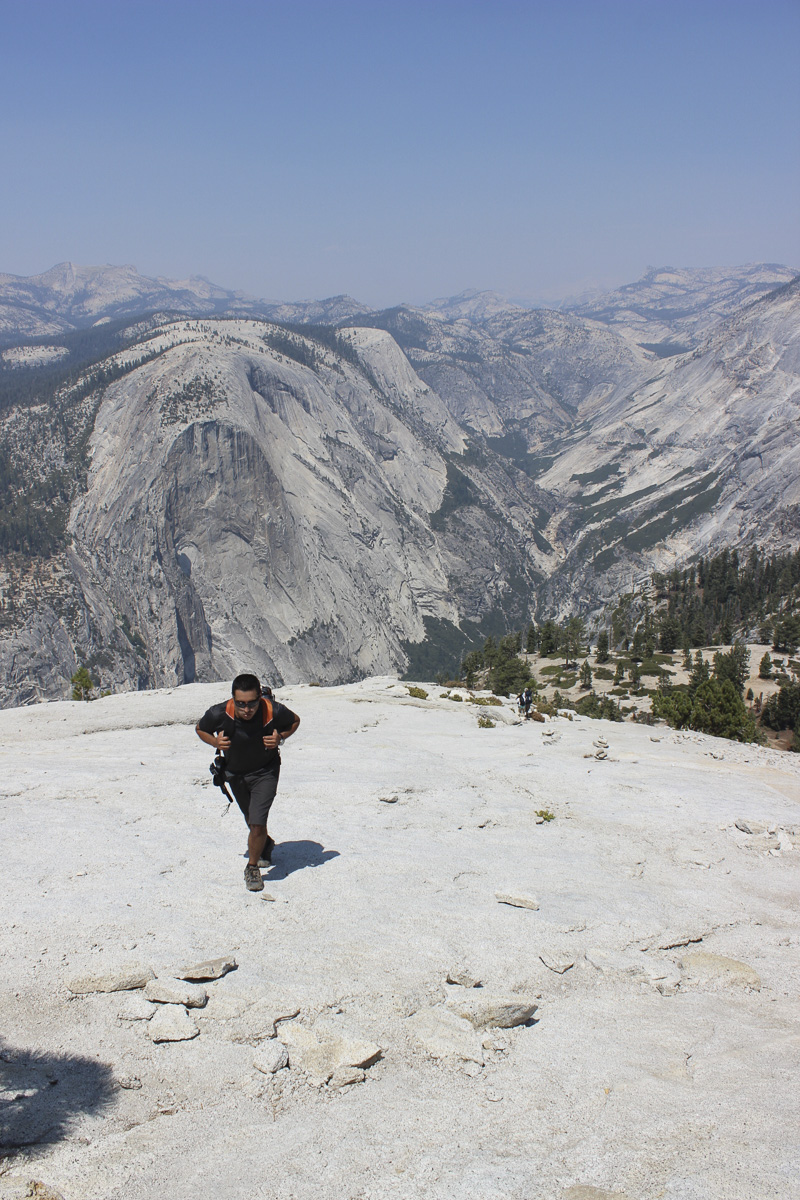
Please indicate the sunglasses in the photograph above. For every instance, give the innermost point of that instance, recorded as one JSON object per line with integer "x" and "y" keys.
{"x": 247, "y": 703}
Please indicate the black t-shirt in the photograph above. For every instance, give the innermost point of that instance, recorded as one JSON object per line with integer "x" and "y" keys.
{"x": 247, "y": 751}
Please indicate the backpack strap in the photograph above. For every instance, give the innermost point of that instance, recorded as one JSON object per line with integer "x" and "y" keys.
{"x": 266, "y": 710}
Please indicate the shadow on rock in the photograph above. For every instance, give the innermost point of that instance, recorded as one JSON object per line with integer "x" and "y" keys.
{"x": 43, "y": 1095}
{"x": 294, "y": 856}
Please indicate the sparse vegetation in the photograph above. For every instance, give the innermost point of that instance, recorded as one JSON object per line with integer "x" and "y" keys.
{"x": 418, "y": 693}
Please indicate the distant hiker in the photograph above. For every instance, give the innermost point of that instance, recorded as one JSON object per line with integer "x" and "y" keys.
{"x": 246, "y": 732}
{"x": 521, "y": 704}
{"x": 527, "y": 700}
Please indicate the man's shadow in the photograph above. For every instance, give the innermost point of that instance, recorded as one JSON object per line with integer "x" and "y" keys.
{"x": 288, "y": 857}
{"x": 44, "y": 1095}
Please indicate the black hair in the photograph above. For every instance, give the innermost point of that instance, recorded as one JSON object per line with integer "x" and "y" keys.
{"x": 246, "y": 683}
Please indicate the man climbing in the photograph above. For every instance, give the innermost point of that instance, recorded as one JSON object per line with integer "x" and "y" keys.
{"x": 247, "y": 731}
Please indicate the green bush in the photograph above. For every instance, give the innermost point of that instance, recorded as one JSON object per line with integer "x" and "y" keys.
{"x": 418, "y": 693}
{"x": 491, "y": 701}
{"x": 485, "y": 721}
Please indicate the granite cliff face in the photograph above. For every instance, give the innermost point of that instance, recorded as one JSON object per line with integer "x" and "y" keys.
{"x": 245, "y": 505}
{"x": 205, "y": 495}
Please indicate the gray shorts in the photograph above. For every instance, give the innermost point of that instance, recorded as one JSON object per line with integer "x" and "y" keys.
{"x": 254, "y": 794}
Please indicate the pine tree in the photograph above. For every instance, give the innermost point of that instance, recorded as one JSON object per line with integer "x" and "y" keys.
{"x": 700, "y": 673}
{"x": 765, "y": 667}
{"x": 602, "y": 647}
{"x": 586, "y": 674}
{"x": 82, "y": 684}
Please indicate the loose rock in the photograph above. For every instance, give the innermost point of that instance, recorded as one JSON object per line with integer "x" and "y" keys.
{"x": 175, "y": 991}
{"x": 517, "y": 899}
{"x": 345, "y": 1076}
{"x": 16, "y": 1187}
{"x": 211, "y": 968}
{"x": 388, "y": 799}
{"x": 321, "y": 1050}
{"x": 445, "y": 1035}
{"x": 136, "y": 1008}
{"x": 270, "y": 1057}
{"x": 261, "y": 1019}
{"x": 717, "y": 971}
{"x": 747, "y": 826}
{"x": 118, "y": 979}
{"x": 463, "y": 977}
{"x": 172, "y": 1023}
{"x": 484, "y": 1010}
{"x": 558, "y": 965}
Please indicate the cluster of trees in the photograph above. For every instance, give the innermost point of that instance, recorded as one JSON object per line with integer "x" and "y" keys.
{"x": 712, "y": 701}
{"x": 507, "y": 673}
{"x": 711, "y": 600}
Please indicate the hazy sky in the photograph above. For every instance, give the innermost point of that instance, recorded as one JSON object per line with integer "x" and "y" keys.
{"x": 399, "y": 150}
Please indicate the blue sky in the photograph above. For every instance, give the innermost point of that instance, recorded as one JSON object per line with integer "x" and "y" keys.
{"x": 399, "y": 151}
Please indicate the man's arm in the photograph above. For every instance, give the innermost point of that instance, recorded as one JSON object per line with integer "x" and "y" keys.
{"x": 219, "y": 740}
{"x": 273, "y": 740}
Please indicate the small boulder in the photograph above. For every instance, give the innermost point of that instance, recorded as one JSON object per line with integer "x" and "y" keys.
{"x": 175, "y": 991}
{"x": 116, "y": 979}
{"x": 270, "y": 1057}
{"x": 171, "y": 1023}
{"x": 210, "y": 968}
{"x": 517, "y": 899}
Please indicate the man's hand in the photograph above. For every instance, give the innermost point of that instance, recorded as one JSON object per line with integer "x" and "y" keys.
{"x": 222, "y": 741}
{"x": 272, "y": 741}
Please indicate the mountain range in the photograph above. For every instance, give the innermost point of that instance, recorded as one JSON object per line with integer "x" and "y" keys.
{"x": 195, "y": 481}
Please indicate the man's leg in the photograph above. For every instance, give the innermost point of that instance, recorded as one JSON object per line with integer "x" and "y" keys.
{"x": 256, "y": 843}
{"x": 263, "y": 787}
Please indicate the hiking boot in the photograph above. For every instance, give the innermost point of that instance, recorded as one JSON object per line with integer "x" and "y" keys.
{"x": 265, "y": 858}
{"x": 252, "y": 879}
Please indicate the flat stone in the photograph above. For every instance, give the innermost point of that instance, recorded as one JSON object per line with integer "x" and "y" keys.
{"x": 116, "y": 979}
{"x": 270, "y": 1057}
{"x": 176, "y": 991}
{"x": 136, "y": 1008}
{"x": 326, "y": 1047}
{"x": 171, "y": 1023}
{"x": 261, "y": 1020}
{"x": 517, "y": 899}
{"x": 716, "y": 970}
{"x": 558, "y": 965}
{"x": 747, "y": 826}
{"x": 485, "y": 1010}
{"x": 211, "y": 968}
{"x": 345, "y": 1076}
{"x": 445, "y": 1035}
{"x": 661, "y": 973}
{"x": 388, "y": 799}
{"x": 463, "y": 977}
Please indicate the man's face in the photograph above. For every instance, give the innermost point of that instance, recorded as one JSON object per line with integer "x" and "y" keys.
{"x": 246, "y": 704}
